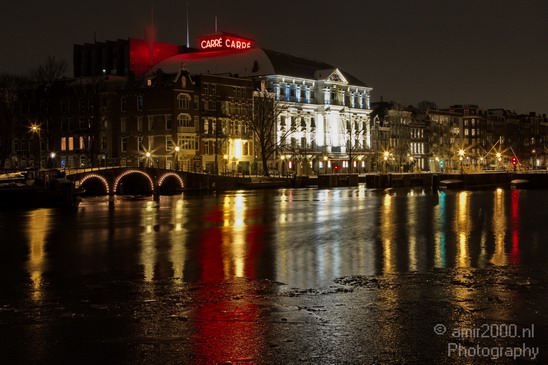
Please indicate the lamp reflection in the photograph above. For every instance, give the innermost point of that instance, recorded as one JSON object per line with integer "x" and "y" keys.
{"x": 462, "y": 228}
{"x": 387, "y": 232}
{"x": 499, "y": 228}
{"x": 38, "y": 227}
{"x": 148, "y": 240}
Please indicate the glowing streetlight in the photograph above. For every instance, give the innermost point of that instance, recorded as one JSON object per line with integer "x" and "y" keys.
{"x": 177, "y": 149}
{"x": 225, "y": 158}
{"x": 35, "y": 128}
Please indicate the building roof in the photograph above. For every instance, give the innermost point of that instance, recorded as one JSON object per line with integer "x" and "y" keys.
{"x": 252, "y": 63}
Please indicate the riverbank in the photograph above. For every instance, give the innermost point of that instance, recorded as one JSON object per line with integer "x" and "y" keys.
{"x": 389, "y": 319}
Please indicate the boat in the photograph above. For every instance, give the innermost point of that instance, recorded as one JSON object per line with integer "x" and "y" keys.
{"x": 519, "y": 184}
{"x": 451, "y": 184}
{"x": 38, "y": 189}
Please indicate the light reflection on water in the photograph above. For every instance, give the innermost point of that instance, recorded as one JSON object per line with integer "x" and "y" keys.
{"x": 302, "y": 237}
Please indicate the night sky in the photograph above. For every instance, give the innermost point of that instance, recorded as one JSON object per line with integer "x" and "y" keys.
{"x": 488, "y": 52}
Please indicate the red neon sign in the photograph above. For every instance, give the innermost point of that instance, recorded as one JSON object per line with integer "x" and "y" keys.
{"x": 223, "y": 41}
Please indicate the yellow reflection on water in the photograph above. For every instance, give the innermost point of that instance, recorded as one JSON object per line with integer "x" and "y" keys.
{"x": 37, "y": 229}
{"x": 412, "y": 249}
{"x": 387, "y": 233}
{"x": 148, "y": 249}
{"x": 463, "y": 227}
{"x": 234, "y": 235}
{"x": 178, "y": 250}
{"x": 499, "y": 228}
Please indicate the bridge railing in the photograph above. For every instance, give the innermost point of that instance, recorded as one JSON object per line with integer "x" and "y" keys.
{"x": 90, "y": 169}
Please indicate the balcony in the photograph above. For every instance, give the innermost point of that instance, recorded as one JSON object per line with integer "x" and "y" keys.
{"x": 186, "y": 129}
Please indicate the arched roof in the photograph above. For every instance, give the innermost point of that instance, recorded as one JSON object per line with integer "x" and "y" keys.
{"x": 250, "y": 63}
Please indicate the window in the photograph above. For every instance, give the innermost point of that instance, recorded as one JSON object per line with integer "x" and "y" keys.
{"x": 139, "y": 124}
{"x": 196, "y": 102}
{"x": 206, "y": 126}
{"x": 81, "y": 143}
{"x": 183, "y": 101}
{"x": 123, "y": 124}
{"x": 184, "y": 120}
{"x": 123, "y": 146}
{"x": 123, "y": 103}
{"x": 139, "y": 102}
{"x": 169, "y": 144}
{"x": 187, "y": 143}
{"x": 213, "y": 89}
{"x": 71, "y": 143}
{"x": 150, "y": 143}
{"x": 104, "y": 143}
{"x": 205, "y": 89}
{"x": 196, "y": 120}
{"x": 140, "y": 145}
{"x": 150, "y": 121}
{"x": 168, "y": 122}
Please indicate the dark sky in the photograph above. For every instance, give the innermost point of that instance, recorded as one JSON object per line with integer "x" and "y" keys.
{"x": 488, "y": 52}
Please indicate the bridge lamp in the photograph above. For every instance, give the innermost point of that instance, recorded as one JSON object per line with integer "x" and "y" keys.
{"x": 177, "y": 149}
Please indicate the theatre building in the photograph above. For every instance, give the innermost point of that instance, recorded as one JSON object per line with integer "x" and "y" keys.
{"x": 324, "y": 116}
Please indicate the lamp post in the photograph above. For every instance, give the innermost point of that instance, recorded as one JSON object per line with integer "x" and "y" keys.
{"x": 148, "y": 159}
{"x": 177, "y": 149}
{"x": 35, "y": 128}
{"x": 385, "y": 156}
{"x": 52, "y": 158}
{"x": 225, "y": 158}
{"x": 461, "y": 157}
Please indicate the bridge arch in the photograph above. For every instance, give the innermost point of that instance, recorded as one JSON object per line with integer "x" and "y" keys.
{"x": 128, "y": 172}
{"x": 168, "y": 174}
{"x": 95, "y": 176}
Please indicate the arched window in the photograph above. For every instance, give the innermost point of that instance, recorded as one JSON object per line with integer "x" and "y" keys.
{"x": 183, "y": 101}
{"x": 184, "y": 120}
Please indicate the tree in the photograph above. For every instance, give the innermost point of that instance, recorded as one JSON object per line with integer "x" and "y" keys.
{"x": 52, "y": 69}
{"x": 354, "y": 132}
{"x": 10, "y": 87}
{"x": 263, "y": 123}
{"x": 424, "y": 105}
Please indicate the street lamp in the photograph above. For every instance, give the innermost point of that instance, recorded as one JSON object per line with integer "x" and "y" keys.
{"x": 499, "y": 157}
{"x": 149, "y": 161}
{"x": 461, "y": 157}
{"x": 385, "y": 156}
{"x": 35, "y": 128}
{"x": 225, "y": 158}
{"x": 177, "y": 149}
{"x": 52, "y": 158}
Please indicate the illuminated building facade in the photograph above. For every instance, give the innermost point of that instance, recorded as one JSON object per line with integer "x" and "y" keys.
{"x": 325, "y": 112}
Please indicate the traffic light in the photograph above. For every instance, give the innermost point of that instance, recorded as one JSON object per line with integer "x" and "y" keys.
{"x": 442, "y": 164}
{"x": 514, "y": 161}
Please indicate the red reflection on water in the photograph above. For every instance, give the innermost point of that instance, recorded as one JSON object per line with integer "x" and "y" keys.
{"x": 226, "y": 322}
{"x": 514, "y": 254}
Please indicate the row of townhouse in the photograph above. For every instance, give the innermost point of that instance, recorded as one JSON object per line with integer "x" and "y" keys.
{"x": 193, "y": 110}
{"x": 461, "y": 135}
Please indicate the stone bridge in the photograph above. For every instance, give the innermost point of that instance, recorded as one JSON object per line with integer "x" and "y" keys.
{"x": 114, "y": 180}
